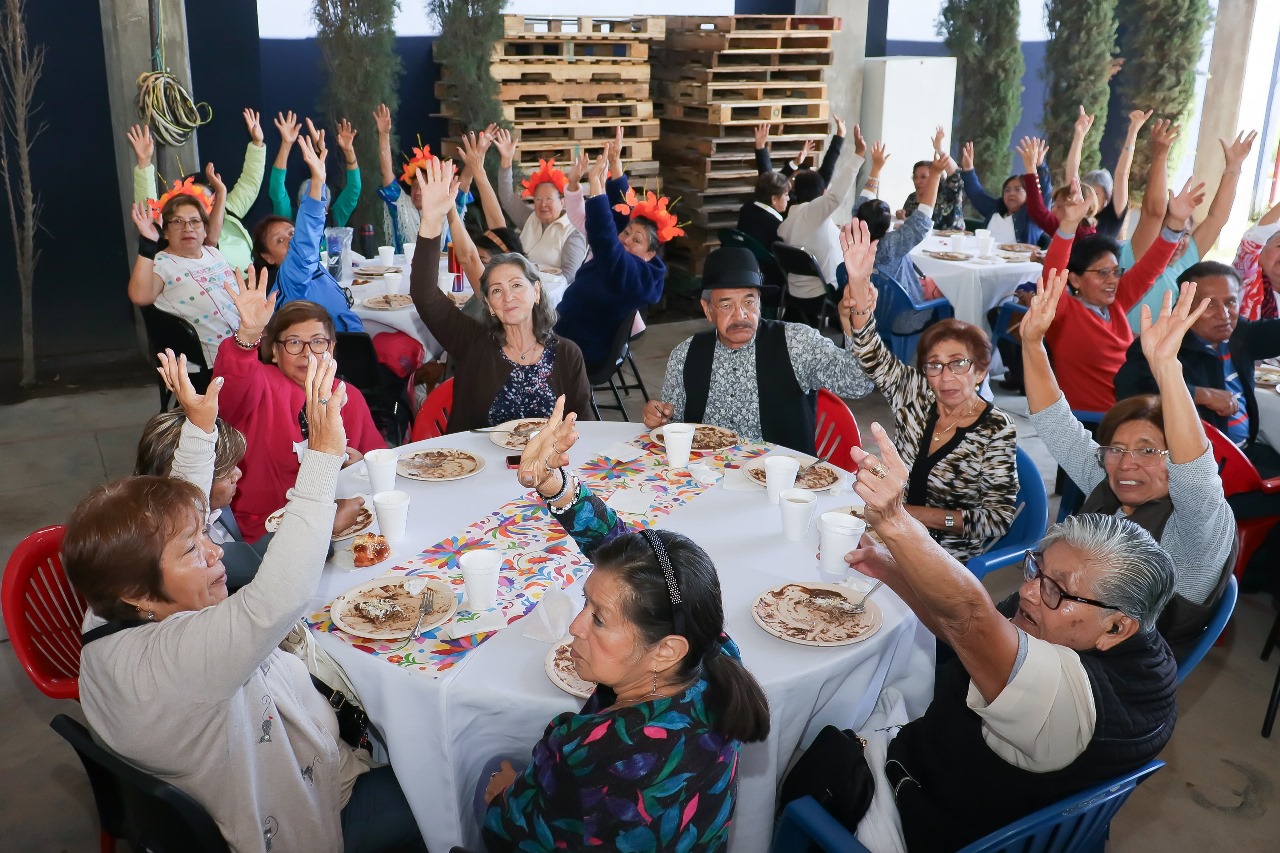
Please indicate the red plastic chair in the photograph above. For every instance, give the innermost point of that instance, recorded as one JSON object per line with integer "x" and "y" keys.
{"x": 43, "y": 613}
{"x": 433, "y": 417}
{"x": 837, "y": 430}
{"x": 1239, "y": 476}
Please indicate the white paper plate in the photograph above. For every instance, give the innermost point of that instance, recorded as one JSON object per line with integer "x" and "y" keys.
{"x": 658, "y": 437}
{"x": 388, "y": 302}
{"x": 459, "y": 465}
{"x": 503, "y": 437}
{"x": 272, "y": 524}
{"x": 347, "y": 620}
{"x": 564, "y": 676}
{"x": 869, "y": 622}
{"x": 754, "y": 473}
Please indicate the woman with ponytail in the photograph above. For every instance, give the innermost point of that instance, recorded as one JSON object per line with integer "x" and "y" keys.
{"x": 650, "y": 761}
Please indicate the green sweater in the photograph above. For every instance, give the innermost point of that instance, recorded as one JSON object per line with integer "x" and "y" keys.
{"x": 343, "y": 206}
{"x": 234, "y": 243}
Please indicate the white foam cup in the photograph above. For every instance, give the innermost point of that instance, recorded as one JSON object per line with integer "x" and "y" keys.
{"x": 957, "y": 242}
{"x": 392, "y": 510}
{"x": 395, "y": 282}
{"x": 797, "y": 512}
{"x": 387, "y": 255}
{"x": 779, "y": 475}
{"x": 480, "y": 570}
{"x": 838, "y": 534}
{"x": 381, "y": 465}
{"x": 408, "y": 254}
{"x": 679, "y": 441}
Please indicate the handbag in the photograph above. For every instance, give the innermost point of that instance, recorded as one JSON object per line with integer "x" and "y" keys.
{"x": 331, "y": 682}
{"x": 834, "y": 771}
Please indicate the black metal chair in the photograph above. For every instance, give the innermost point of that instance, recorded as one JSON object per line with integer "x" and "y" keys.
{"x": 604, "y": 374}
{"x": 386, "y": 393}
{"x": 150, "y": 814}
{"x": 166, "y": 331}
{"x": 796, "y": 260}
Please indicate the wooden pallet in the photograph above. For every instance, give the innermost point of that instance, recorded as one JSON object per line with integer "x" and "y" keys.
{"x": 750, "y": 43}
{"x": 736, "y": 147}
{"x": 746, "y": 63}
{"x": 714, "y": 133}
{"x": 633, "y": 150}
{"x": 672, "y": 151}
{"x": 611, "y": 110}
{"x": 538, "y": 26}
{"x": 559, "y": 93}
{"x": 571, "y": 49}
{"x": 754, "y": 23}
{"x": 542, "y": 133}
{"x": 694, "y": 70}
{"x": 752, "y": 113}
{"x": 565, "y": 72}
{"x": 730, "y": 91}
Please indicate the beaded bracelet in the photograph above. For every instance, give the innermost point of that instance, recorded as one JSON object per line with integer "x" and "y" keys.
{"x": 571, "y": 483}
{"x": 243, "y": 345}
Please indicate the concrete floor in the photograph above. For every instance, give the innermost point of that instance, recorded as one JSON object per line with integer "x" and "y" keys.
{"x": 1218, "y": 791}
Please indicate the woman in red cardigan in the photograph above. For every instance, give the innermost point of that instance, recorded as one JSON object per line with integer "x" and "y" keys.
{"x": 264, "y": 398}
{"x": 1091, "y": 332}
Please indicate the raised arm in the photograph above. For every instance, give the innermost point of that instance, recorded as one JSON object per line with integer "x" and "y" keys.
{"x": 1120, "y": 186}
{"x": 345, "y": 204}
{"x": 464, "y": 249}
{"x": 879, "y": 156}
{"x": 145, "y": 286}
{"x": 978, "y": 197}
{"x": 382, "y": 121}
{"x": 1135, "y": 283}
{"x": 218, "y": 214}
{"x": 1041, "y": 385}
{"x": 237, "y": 358}
{"x": 1235, "y": 154}
{"x": 1161, "y": 340}
{"x": 193, "y": 460}
{"x": 474, "y": 148}
{"x": 1037, "y": 210}
{"x": 763, "y": 162}
{"x": 836, "y": 145}
{"x": 1163, "y": 135}
{"x": 512, "y": 204}
{"x": 574, "y": 202}
{"x": 144, "y": 174}
{"x": 1071, "y": 168}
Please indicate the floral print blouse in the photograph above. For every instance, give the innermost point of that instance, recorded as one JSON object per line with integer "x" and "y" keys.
{"x": 527, "y": 392}
{"x": 651, "y": 777}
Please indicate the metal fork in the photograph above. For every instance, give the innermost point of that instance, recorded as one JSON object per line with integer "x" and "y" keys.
{"x": 425, "y": 606}
{"x": 824, "y": 458}
{"x": 862, "y": 605}
{"x": 519, "y": 432}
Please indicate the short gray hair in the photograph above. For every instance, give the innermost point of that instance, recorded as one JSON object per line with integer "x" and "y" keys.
{"x": 544, "y": 316}
{"x": 1135, "y": 574}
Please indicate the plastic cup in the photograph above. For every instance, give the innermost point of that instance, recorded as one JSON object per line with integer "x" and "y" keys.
{"x": 387, "y": 255}
{"x": 957, "y": 242}
{"x": 381, "y": 465}
{"x": 679, "y": 441}
{"x": 797, "y": 513}
{"x": 986, "y": 245}
{"x": 780, "y": 475}
{"x": 408, "y": 253}
{"x": 480, "y": 570}
{"x": 838, "y": 534}
{"x": 395, "y": 282}
{"x": 392, "y": 510}
{"x": 982, "y": 232}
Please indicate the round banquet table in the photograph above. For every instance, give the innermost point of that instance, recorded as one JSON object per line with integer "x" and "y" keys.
{"x": 973, "y": 288}
{"x": 441, "y": 728}
{"x": 406, "y": 319}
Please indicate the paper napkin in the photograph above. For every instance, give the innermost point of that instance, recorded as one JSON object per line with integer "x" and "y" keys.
{"x": 463, "y": 625}
{"x": 704, "y": 473}
{"x": 550, "y": 620}
{"x": 622, "y": 452}
{"x": 631, "y": 501}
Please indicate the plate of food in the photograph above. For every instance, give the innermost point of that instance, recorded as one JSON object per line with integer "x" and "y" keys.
{"x": 707, "y": 438}
{"x": 376, "y": 270}
{"x": 550, "y": 270}
{"x": 1017, "y": 248}
{"x": 439, "y": 464}
{"x": 563, "y": 673}
{"x": 950, "y": 256}
{"x": 1266, "y": 374}
{"x": 356, "y": 282}
{"x": 952, "y": 232}
{"x": 388, "y": 302}
{"x": 388, "y": 608}
{"x": 364, "y": 520}
{"x": 514, "y": 435}
{"x": 816, "y": 614}
{"x": 817, "y": 478}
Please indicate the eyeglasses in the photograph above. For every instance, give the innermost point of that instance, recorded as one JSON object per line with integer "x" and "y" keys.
{"x": 183, "y": 224}
{"x": 1109, "y": 272}
{"x": 1147, "y": 457}
{"x": 748, "y": 304}
{"x": 959, "y": 367}
{"x": 1051, "y": 594}
{"x": 294, "y": 346}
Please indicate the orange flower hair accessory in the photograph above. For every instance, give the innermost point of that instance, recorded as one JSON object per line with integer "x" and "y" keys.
{"x": 187, "y": 187}
{"x": 547, "y": 174}
{"x": 421, "y": 157}
{"x": 654, "y": 209}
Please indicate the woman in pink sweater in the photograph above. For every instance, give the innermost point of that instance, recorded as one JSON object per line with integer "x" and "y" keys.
{"x": 265, "y": 398}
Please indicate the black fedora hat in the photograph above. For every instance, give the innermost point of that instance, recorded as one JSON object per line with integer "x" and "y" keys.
{"x": 731, "y": 267}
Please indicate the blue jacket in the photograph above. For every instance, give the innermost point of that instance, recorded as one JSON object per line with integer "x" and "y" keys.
{"x": 611, "y": 286}
{"x": 302, "y": 276}
{"x": 1025, "y": 230}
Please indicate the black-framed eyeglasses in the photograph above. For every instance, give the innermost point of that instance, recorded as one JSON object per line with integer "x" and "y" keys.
{"x": 294, "y": 346}
{"x": 959, "y": 367}
{"x": 1050, "y": 593}
{"x": 1146, "y": 457}
{"x": 1109, "y": 272}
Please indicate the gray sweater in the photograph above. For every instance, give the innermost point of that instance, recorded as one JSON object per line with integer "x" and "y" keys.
{"x": 208, "y": 702}
{"x": 1201, "y": 530}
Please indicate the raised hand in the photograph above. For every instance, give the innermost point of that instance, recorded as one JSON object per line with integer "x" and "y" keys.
{"x": 840, "y": 127}
{"x": 254, "y": 305}
{"x": 1137, "y": 118}
{"x": 1084, "y": 122}
{"x": 1237, "y": 151}
{"x": 382, "y": 120}
{"x": 578, "y": 170}
{"x": 806, "y": 151}
{"x": 615, "y": 153}
{"x": 486, "y": 138}
{"x": 317, "y": 136}
{"x": 313, "y": 156}
{"x": 472, "y": 153}
{"x": 140, "y": 213}
{"x": 549, "y": 449}
{"x": 859, "y": 144}
{"x": 215, "y": 180}
{"x": 860, "y": 295}
{"x": 144, "y": 147}
{"x": 762, "y": 135}
{"x": 966, "y": 157}
{"x": 1042, "y": 151}
{"x": 1163, "y": 134}
{"x": 595, "y": 175}
{"x": 438, "y": 188}
{"x": 1044, "y": 305}
{"x": 506, "y": 145}
{"x": 1027, "y": 150}
{"x": 253, "y": 123}
{"x": 940, "y": 163}
{"x": 879, "y": 156}
{"x": 882, "y": 482}
{"x": 200, "y": 409}
{"x": 326, "y": 432}
{"x": 1162, "y": 338}
{"x": 938, "y": 136}
{"x": 1182, "y": 205}
{"x": 1076, "y": 207}
{"x": 346, "y": 138}
{"x": 289, "y": 127}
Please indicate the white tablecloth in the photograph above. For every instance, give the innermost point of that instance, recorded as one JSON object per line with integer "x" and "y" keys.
{"x": 972, "y": 288}
{"x": 407, "y": 320}
{"x": 1268, "y": 414}
{"x": 441, "y": 730}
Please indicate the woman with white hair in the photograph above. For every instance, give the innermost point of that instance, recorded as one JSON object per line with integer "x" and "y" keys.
{"x": 1061, "y": 687}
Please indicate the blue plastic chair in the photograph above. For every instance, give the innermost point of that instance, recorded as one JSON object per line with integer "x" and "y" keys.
{"x": 1028, "y": 527}
{"x": 1072, "y": 498}
{"x": 1226, "y": 606}
{"x": 894, "y": 301}
{"x": 1074, "y": 825}
{"x": 1004, "y": 318}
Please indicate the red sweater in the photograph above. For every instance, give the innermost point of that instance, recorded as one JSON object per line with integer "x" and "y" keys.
{"x": 1087, "y": 350}
{"x": 263, "y": 403}
{"x": 1043, "y": 216}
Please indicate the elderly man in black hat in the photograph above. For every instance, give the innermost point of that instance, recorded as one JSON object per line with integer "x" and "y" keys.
{"x": 756, "y": 377}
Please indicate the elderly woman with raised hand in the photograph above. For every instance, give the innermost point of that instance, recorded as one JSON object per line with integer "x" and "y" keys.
{"x": 191, "y": 686}
{"x": 265, "y": 363}
{"x": 290, "y": 252}
{"x": 1151, "y": 461}
{"x": 1112, "y": 193}
{"x": 959, "y": 448}
{"x": 1007, "y": 217}
{"x": 1091, "y": 331}
{"x": 652, "y": 637}
{"x": 510, "y": 364}
{"x": 549, "y": 239}
{"x": 948, "y": 208}
{"x": 1061, "y": 687}
{"x": 186, "y": 278}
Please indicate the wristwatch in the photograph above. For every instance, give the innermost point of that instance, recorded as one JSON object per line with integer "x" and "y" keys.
{"x": 949, "y": 521}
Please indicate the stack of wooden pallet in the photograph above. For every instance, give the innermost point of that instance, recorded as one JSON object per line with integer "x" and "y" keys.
{"x": 567, "y": 83}
{"x": 714, "y": 80}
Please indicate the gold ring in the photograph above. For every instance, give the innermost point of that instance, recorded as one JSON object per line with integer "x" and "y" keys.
{"x": 880, "y": 471}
